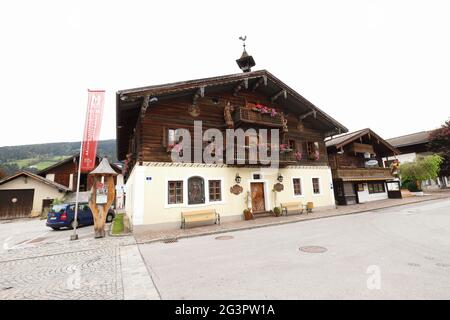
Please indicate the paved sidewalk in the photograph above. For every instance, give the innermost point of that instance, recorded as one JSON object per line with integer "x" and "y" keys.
{"x": 143, "y": 235}
{"x": 56, "y": 268}
{"x": 137, "y": 284}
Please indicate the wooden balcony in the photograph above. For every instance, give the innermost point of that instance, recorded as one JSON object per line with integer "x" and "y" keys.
{"x": 249, "y": 116}
{"x": 359, "y": 174}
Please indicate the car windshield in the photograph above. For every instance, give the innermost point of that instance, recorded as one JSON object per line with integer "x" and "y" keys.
{"x": 58, "y": 207}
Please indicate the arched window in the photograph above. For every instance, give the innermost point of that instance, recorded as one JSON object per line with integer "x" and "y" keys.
{"x": 196, "y": 190}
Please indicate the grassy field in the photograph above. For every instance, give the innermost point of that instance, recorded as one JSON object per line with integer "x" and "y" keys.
{"x": 38, "y": 163}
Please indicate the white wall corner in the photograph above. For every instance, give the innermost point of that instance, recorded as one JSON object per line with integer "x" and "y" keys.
{"x": 139, "y": 195}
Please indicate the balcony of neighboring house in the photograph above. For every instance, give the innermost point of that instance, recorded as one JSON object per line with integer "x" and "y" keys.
{"x": 354, "y": 174}
{"x": 259, "y": 115}
{"x": 353, "y": 167}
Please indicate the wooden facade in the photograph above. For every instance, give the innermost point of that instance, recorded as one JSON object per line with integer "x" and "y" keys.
{"x": 142, "y": 135}
{"x": 356, "y": 162}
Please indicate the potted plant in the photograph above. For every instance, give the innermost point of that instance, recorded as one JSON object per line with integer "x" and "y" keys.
{"x": 248, "y": 215}
{"x": 277, "y": 211}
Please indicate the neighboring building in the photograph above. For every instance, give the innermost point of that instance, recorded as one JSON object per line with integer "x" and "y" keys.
{"x": 356, "y": 164}
{"x": 65, "y": 173}
{"x": 25, "y": 194}
{"x": 411, "y": 146}
{"x": 157, "y": 190}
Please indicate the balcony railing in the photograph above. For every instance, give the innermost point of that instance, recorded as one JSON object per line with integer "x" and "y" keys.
{"x": 248, "y": 115}
{"x": 362, "y": 173}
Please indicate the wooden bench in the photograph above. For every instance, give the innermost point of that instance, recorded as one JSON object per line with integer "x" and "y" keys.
{"x": 287, "y": 206}
{"x": 199, "y": 216}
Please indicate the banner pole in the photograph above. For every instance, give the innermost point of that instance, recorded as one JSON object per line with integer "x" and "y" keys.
{"x": 74, "y": 236}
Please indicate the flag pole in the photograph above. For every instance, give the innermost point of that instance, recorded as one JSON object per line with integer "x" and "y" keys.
{"x": 74, "y": 236}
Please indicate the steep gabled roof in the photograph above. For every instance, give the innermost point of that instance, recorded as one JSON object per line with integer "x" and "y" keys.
{"x": 410, "y": 139}
{"x": 128, "y": 102}
{"x": 38, "y": 178}
{"x": 343, "y": 140}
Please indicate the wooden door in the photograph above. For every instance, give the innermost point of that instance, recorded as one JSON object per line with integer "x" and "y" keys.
{"x": 16, "y": 203}
{"x": 257, "y": 194}
{"x": 46, "y": 205}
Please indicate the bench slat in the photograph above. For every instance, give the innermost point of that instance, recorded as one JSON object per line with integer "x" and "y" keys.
{"x": 200, "y": 218}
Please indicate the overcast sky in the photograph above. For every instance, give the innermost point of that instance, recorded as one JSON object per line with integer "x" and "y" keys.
{"x": 378, "y": 64}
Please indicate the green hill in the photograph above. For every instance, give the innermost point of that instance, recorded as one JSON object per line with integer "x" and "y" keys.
{"x": 35, "y": 157}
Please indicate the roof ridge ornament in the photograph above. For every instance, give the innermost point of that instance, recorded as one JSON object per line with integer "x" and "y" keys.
{"x": 245, "y": 62}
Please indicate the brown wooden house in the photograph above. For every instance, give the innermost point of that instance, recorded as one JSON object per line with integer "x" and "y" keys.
{"x": 356, "y": 162}
{"x": 65, "y": 173}
{"x": 158, "y": 189}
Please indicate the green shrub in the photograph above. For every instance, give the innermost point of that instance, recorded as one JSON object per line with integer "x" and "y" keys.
{"x": 277, "y": 211}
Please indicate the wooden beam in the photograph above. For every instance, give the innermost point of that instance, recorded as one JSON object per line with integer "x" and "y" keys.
{"x": 145, "y": 105}
{"x": 282, "y": 92}
{"x": 306, "y": 115}
{"x": 262, "y": 80}
{"x": 199, "y": 93}
{"x": 243, "y": 84}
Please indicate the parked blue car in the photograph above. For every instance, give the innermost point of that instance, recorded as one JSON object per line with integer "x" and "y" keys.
{"x": 62, "y": 215}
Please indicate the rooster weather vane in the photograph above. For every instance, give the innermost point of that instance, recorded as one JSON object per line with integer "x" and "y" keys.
{"x": 243, "y": 40}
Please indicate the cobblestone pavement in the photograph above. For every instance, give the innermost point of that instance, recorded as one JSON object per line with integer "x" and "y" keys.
{"x": 84, "y": 269}
{"x": 145, "y": 235}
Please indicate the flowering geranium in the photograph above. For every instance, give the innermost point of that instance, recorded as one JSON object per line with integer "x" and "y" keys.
{"x": 266, "y": 110}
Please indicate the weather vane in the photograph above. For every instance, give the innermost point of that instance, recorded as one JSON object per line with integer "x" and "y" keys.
{"x": 243, "y": 40}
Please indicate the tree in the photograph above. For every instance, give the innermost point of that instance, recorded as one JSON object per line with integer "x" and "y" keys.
{"x": 440, "y": 144}
{"x": 423, "y": 168}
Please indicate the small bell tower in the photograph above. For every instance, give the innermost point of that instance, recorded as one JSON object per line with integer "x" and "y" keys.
{"x": 245, "y": 62}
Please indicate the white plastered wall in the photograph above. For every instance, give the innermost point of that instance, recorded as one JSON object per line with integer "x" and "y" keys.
{"x": 146, "y": 198}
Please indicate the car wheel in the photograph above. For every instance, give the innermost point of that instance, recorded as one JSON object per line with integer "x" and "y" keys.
{"x": 73, "y": 224}
{"x": 55, "y": 228}
{"x": 109, "y": 218}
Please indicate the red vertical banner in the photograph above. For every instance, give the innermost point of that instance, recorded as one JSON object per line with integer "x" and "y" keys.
{"x": 94, "y": 114}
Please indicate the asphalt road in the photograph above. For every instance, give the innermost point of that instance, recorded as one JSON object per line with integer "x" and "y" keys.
{"x": 24, "y": 233}
{"x": 396, "y": 253}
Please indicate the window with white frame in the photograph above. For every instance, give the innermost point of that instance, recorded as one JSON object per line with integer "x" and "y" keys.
{"x": 175, "y": 192}
{"x": 215, "y": 190}
{"x": 316, "y": 185}
{"x": 297, "y": 186}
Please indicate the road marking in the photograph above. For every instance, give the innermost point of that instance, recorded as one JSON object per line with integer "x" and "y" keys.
{"x": 28, "y": 241}
{"x": 5, "y": 243}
